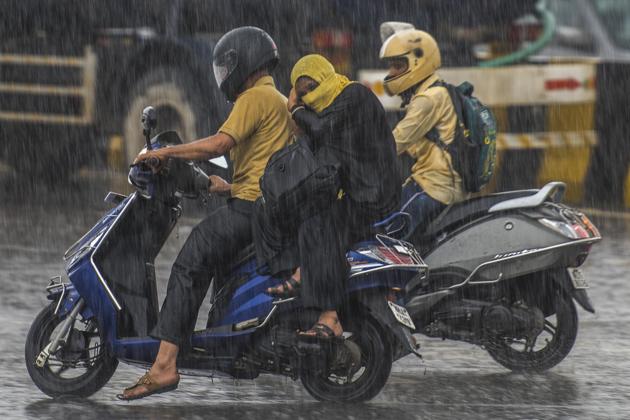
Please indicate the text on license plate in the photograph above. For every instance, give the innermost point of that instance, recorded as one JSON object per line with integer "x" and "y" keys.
{"x": 577, "y": 278}
{"x": 401, "y": 315}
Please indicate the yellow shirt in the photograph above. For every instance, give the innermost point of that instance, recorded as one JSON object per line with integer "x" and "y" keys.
{"x": 260, "y": 124}
{"x": 433, "y": 168}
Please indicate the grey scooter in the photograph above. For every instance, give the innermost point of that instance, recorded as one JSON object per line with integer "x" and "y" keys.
{"x": 504, "y": 275}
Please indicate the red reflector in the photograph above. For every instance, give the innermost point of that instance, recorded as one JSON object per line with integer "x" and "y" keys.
{"x": 582, "y": 233}
{"x": 395, "y": 257}
{"x": 562, "y": 84}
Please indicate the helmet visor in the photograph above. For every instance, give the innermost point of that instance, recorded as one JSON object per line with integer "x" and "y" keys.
{"x": 224, "y": 65}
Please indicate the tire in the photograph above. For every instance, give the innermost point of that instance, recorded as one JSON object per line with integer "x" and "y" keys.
{"x": 555, "y": 350}
{"x": 179, "y": 105}
{"x": 53, "y": 384}
{"x": 376, "y": 364}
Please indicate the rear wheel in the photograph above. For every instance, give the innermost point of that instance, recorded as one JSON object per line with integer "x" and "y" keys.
{"x": 79, "y": 368}
{"x": 546, "y": 350}
{"x": 367, "y": 379}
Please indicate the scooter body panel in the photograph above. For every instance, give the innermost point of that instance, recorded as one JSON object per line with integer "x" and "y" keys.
{"x": 495, "y": 238}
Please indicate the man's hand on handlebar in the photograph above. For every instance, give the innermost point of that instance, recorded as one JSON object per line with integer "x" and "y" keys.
{"x": 154, "y": 159}
{"x": 218, "y": 185}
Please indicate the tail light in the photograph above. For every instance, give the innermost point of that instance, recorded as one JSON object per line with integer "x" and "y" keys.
{"x": 581, "y": 232}
{"x": 560, "y": 227}
{"x": 572, "y": 230}
{"x": 589, "y": 225}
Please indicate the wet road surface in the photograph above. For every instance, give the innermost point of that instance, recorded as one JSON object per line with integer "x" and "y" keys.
{"x": 456, "y": 380}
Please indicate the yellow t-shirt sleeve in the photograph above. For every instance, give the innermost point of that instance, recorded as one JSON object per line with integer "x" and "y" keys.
{"x": 422, "y": 115}
{"x": 245, "y": 117}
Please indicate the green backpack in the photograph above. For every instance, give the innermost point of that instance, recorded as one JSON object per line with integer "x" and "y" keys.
{"x": 473, "y": 150}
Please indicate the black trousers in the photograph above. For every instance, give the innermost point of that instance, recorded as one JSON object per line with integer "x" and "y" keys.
{"x": 212, "y": 245}
{"x": 318, "y": 245}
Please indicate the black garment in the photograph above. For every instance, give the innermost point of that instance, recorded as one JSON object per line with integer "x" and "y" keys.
{"x": 353, "y": 132}
{"x": 212, "y": 245}
{"x": 318, "y": 245}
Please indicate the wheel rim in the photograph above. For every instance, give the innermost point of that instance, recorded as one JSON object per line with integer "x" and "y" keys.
{"x": 81, "y": 354}
{"x": 367, "y": 371}
{"x": 366, "y": 364}
{"x": 542, "y": 345}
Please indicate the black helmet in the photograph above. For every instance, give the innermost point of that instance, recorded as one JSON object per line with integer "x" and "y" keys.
{"x": 238, "y": 54}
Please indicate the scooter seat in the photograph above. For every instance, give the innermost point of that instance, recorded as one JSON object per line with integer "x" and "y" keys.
{"x": 469, "y": 210}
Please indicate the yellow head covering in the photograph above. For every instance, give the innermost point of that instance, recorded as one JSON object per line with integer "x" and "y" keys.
{"x": 322, "y": 71}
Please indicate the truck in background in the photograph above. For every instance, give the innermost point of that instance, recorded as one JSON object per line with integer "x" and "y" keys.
{"x": 75, "y": 74}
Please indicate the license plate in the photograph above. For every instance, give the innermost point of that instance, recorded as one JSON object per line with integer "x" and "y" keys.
{"x": 401, "y": 315}
{"x": 577, "y": 278}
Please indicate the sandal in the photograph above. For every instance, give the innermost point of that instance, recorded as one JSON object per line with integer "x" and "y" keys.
{"x": 287, "y": 289}
{"x": 151, "y": 385}
{"x": 319, "y": 332}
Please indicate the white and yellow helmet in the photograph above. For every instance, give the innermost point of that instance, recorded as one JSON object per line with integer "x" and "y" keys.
{"x": 422, "y": 54}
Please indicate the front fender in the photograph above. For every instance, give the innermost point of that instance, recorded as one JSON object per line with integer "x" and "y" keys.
{"x": 65, "y": 297}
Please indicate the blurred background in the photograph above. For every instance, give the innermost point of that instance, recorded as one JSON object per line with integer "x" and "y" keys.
{"x": 76, "y": 74}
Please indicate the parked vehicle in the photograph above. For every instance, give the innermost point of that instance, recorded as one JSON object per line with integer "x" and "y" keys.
{"x": 105, "y": 312}
{"x": 63, "y": 62}
{"x": 504, "y": 274}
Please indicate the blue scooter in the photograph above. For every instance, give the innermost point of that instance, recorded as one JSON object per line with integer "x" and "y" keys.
{"x": 106, "y": 310}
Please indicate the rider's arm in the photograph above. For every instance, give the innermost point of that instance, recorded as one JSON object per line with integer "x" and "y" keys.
{"x": 244, "y": 119}
{"x": 422, "y": 115}
{"x": 202, "y": 149}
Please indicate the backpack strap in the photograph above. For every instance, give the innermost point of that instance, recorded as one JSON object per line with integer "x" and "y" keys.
{"x": 434, "y": 136}
{"x": 455, "y": 100}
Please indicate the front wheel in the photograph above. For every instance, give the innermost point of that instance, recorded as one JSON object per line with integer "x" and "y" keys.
{"x": 79, "y": 368}
{"x": 546, "y": 350}
{"x": 367, "y": 380}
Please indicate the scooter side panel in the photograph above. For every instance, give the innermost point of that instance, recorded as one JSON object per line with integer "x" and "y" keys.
{"x": 124, "y": 258}
{"x": 249, "y": 300}
{"x": 394, "y": 278}
{"x": 491, "y": 239}
{"x": 91, "y": 290}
